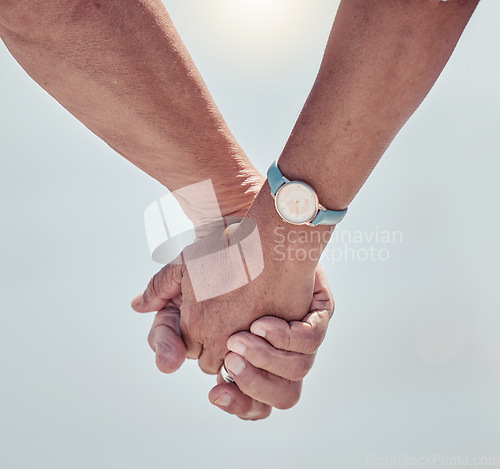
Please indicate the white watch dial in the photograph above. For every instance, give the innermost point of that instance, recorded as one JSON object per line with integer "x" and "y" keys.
{"x": 296, "y": 202}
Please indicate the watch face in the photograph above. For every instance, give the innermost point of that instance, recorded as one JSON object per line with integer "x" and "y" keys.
{"x": 296, "y": 202}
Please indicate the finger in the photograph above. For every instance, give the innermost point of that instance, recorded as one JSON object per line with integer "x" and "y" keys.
{"x": 231, "y": 400}
{"x": 261, "y": 354}
{"x": 164, "y": 338}
{"x": 162, "y": 288}
{"x": 322, "y": 295}
{"x": 297, "y": 336}
{"x": 261, "y": 385}
{"x": 210, "y": 360}
{"x": 194, "y": 348}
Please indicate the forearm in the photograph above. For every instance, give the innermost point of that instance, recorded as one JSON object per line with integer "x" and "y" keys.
{"x": 381, "y": 60}
{"x": 120, "y": 67}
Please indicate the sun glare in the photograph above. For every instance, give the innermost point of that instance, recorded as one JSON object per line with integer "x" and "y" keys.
{"x": 247, "y": 35}
{"x": 257, "y": 31}
{"x": 257, "y": 9}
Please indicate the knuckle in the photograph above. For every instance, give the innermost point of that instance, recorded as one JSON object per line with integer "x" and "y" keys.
{"x": 155, "y": 283}
{"x": 309, "y": 362}
{"x": 282, "y": 339}
{"x": 208, "y": 368}
{"x": 243, "y": 336}
{"x": 263, "y": 413}
{"x": 247, "y": 383}
{"x": 315, "y": 342}
{"x": 266, "y": 362}
{"x": 287, "y": 341}
{"x": 260, "y": 357}
{"x": 303, "y": 367}
{"x": 290, "y": 399}
{"x": 242, "y": 408}
{"x": 266, "y": 412}
{"x": 308, "y": 347}
{"x": 309, "y": 340}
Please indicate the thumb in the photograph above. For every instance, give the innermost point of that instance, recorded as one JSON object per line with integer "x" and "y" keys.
{"x": 162, "y": 288}
{"x": 165, "y": 340}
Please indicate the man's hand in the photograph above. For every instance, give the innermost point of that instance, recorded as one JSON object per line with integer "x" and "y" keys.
{"x": 277, "y": 356}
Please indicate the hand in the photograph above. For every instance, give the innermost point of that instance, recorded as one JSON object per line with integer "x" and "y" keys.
{"x": 206, "y": 325}
{"x": 277, "y": 356}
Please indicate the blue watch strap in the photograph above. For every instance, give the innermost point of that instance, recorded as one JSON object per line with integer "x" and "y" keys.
{"x": 275, "y": 177}
{"x": 328, "y": 217}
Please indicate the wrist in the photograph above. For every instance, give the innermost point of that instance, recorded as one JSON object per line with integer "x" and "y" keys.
{"x": 235, "y": 200}
{"x": 210, "y": 201}
{"x": 291, "y": 248}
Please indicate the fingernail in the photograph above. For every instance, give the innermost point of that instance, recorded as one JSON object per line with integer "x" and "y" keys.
{"x": 235, "y": 365}
{"x": 239, "y": 348}
{"x": 259, "y": 330}
{"x": 223, "y": 400}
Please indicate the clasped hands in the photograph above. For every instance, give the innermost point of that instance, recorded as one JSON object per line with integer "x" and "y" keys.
{"x": 266, "y": 332}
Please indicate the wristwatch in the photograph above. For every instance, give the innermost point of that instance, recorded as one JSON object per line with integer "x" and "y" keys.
{"x": 297, "y": 203}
